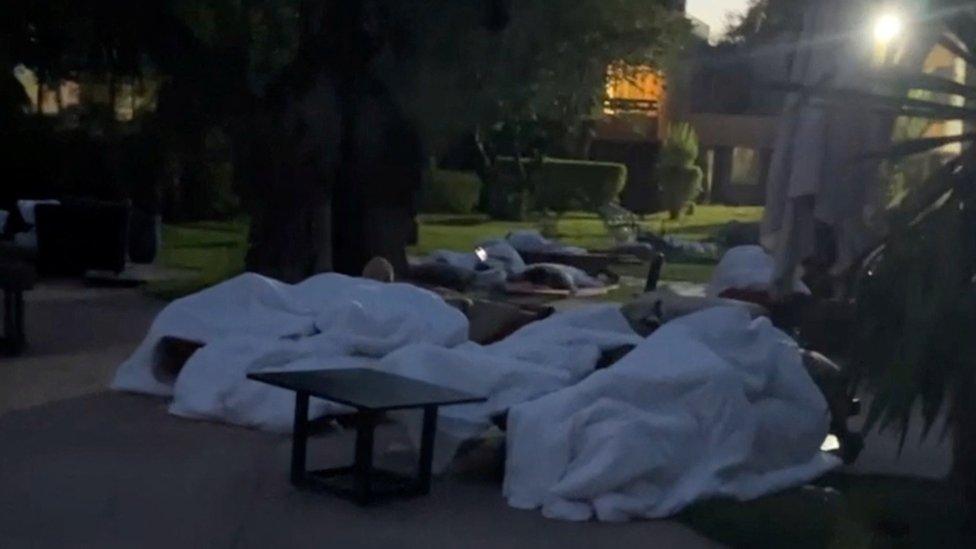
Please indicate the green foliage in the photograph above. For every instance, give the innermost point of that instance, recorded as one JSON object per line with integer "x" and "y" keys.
{"x": 448, "y": 191}
{"x": 507, "y": 190}
{"x": 202, "y": 185}
{"x": 561, "y": 185}
{"x": 917, "y": 302}
{"x": 564, "y": 185}
{"x": 917, "y": 314}
{"x": 768, "y": 19}
{"x": 678, "y": 175}
{"x": 549, "y": 63}
{"x": 681, "y": 146}
{"x": 450, "y": 68}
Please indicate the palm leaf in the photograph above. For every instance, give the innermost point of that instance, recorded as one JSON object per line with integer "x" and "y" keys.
{"x": 961, "y": 35}
{"x": 902, "y": 106}
{"x": 928, "y": 196}
{"x": 918, "y": 146}
{"x": 906, "y": 80}
{"x": 952, "y": 44}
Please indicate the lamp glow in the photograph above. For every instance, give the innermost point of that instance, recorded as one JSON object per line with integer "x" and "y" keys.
{"x": 888, "y": 27}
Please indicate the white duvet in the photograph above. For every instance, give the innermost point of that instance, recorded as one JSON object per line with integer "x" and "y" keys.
{"x": 710, "y": 404}
{"x": 252, "y": 323}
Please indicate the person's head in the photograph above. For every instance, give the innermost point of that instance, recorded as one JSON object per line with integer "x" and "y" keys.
{"x": 379, "y": 269}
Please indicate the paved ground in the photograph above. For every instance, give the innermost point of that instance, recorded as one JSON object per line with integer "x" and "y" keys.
{"x": 81, "y": 467}
{"x": 77, "y": 336}
{"x": 115, "y": 470}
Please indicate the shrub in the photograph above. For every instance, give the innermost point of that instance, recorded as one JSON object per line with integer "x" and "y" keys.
{"x": 680, "y": 179}
{"x": 507, "y": 196}
{"x": 448, "y": 191}
{"x": 681, "y": 145}
{"x": 558, "y": 185}
{"x": 679, "y": 187}
{"x": 205, "y": 191}
{"x": 564, "y": 185}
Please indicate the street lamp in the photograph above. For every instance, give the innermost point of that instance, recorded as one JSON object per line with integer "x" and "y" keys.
{"x": 888, "y": 27}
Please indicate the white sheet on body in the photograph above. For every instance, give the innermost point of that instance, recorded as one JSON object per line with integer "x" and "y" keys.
{"x": 746, "y": 268}
{"x": 502, "y": 261}
{"x": 712, "y": 404}
{"x": 252, "y": 323}
{"x": 690, "y": 413}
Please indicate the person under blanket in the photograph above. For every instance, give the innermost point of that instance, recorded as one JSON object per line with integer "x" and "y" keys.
{"x": 712, "y": 405}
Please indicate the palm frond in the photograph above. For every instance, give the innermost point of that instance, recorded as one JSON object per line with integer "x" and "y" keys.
{"x": 894, "y": 105}
{"x": 957, "y": 48}
{"x": 902, "y": 79}
{"x": 918, "y": 146}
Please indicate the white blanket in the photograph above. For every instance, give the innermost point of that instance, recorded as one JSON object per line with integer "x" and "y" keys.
{"x": 253, "y": 318}
{"x": 251, "y": 323}
{"x": 746, "y": 268}
{"x": 709, "y": 405}
{"x": 539, "y": 359}
{"x": 713, "y": 404}
{"x": 27, "y": 209}
{"x": 496, "y": 261}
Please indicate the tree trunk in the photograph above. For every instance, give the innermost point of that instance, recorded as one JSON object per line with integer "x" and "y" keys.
{"x": 338, "y": 186}
{"x": 289, "y": 192}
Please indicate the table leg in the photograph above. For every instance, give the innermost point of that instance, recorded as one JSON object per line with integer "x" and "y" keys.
{"x": 8, "y": 317}
{"x": 19, "y": 333}
{"x": 299, "y": 439}
{"x": 363, "y": 466}
{"x": 427, "y": 449}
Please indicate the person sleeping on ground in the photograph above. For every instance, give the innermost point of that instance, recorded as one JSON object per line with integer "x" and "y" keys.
{"x": 252, "y": 323}
{"x": 495, "y": 263}
{"x": 490, "y": 322}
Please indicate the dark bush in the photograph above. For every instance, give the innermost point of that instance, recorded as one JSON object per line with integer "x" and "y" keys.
{"x": 641, "y": 195}
{"x": 200, "y": 185}
{"x": 449, "y": 191}
{"x": 506, "y": 194}
{"x": 679, "y": 187}
{"x": 564, "y": 185}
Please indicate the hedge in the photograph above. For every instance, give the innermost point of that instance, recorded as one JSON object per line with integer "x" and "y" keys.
{"x": 563, "y": 185}
{"x": 448, "y": 191}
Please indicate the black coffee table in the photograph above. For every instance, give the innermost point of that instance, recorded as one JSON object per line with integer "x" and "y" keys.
{"x": 371, "y": 393}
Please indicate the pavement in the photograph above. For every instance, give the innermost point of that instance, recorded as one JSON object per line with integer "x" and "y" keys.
{"x": 84, "y": 467}
{"x": 76, "y": 338}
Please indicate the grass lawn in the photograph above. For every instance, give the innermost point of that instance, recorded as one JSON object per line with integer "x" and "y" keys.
{"x": 215, "y": 250}
{"x": 462, "y": 233}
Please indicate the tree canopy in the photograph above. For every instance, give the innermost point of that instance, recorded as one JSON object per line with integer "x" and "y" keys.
{"x": 767, "y": 19}
{"x": 449, "y": 61}
{"x": 449, "y": 65}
